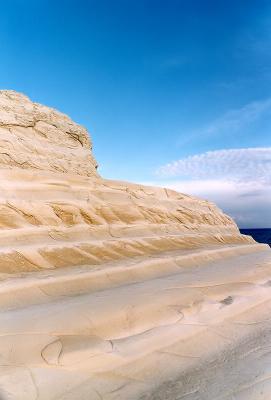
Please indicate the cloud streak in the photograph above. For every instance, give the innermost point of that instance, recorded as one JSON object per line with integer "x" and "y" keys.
{"x": 233, "y": 121}
{"x": 233, "y": 164}
{"x": 238, "y": 118}
{"x": 238, "y": 180}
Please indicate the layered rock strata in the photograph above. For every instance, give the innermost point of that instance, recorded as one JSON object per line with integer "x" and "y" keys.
{"x": 112, "y": 290}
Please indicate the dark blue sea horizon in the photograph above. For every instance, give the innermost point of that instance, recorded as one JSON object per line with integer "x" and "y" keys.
{"x": 260, "y": 235}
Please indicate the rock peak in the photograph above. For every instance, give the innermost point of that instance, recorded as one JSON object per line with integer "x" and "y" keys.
{"x": 13, "y": 95}
{"x": 34, "y": 136}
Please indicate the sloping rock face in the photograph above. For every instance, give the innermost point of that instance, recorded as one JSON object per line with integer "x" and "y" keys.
{"x": 111, "y": 290}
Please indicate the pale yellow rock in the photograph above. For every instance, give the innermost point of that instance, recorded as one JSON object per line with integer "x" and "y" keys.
{"x": 112, "y": 290}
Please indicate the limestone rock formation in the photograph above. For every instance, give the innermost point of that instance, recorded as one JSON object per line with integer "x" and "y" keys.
{"x": 111, "y": 290}
{"x": 39, "y": 138}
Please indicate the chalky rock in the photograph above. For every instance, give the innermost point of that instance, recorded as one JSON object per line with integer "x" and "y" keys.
{"x": 112, "y": 290}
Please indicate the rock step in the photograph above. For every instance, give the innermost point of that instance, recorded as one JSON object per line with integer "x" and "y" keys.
{"x": 27, "y": 258}
{"x": 100, "y": 331}
{"x": 47, "y": 286}
{"x": 82, "y": 232}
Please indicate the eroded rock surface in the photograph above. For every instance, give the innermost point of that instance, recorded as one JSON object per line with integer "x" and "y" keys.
{"x": 112, "y": 290}
{"x": 36, "y": 137}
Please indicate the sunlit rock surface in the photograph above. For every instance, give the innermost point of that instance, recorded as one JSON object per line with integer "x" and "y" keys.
{"x": 112, "y": 290}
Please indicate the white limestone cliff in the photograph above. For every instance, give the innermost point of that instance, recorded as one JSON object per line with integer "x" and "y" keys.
{"x": 113, "y": 290}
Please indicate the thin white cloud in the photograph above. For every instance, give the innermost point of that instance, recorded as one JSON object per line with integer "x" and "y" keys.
{"x": 248, "y": 164}
{"x": 233, "y": 121}
{"x": 238, "y": 118}
{"x": 237, "y": 180}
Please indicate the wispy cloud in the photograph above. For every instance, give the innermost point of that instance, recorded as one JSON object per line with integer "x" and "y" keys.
{"x": 233, "y": 164}
{"x": 238, "y": 180}
{"x": 233, "y": 121}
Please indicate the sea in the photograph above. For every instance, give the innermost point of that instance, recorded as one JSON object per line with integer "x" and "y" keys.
{"x": 260, "y": 235}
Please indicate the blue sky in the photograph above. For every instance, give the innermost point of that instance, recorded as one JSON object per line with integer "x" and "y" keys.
{"x": 158, "y": 84}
